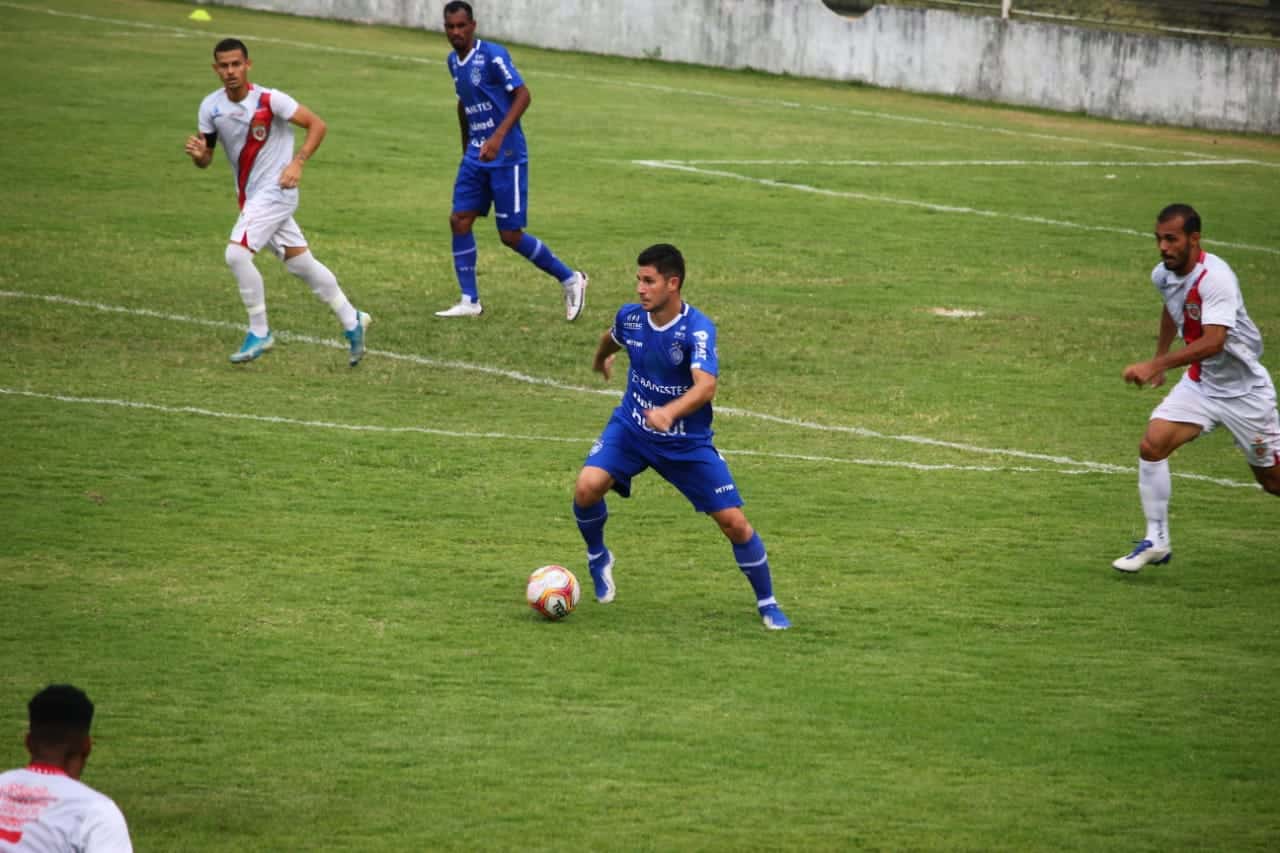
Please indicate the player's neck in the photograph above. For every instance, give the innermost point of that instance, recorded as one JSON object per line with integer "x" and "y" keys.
{"x": 240, "y": 93}
{"x": 465, "y": 51}
{"x": 666, "y": 313}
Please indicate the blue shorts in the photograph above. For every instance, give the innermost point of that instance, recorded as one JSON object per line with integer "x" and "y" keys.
{"x": 505, "y": 187}
{"x": 694, "y": 467}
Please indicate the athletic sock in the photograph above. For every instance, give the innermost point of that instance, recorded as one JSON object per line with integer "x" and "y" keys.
{"x": 252, "y": 291}
{"x": 542, "y": 257}
{"x": 464, "y": 264}
{"x": 1155, "y": 485}
{"x": 754, "y": 562}
{"x": 324, "y": 284}
{"x": 591, "y": 521}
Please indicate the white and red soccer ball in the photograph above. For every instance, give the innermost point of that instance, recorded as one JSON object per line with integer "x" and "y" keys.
{"x": 553, "y": 591}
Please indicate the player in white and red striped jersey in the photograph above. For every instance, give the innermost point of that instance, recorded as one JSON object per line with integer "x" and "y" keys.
{"x": 1225, "y": 382}
{"x": 254, "y": 124}
{"x": 44, "y": 807}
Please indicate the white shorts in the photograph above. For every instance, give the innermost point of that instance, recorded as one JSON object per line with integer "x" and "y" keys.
{"x": 267, "y": 220}
{"x": 1251, "y": 419}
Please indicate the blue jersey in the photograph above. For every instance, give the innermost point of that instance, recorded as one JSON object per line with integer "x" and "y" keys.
{"x": 662, "y": 361}
{"x": 485, "y": 80}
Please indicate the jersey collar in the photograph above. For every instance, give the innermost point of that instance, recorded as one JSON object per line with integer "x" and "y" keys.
{"x": 470, "y": 53}
{"x": 46, "y": 769}
{"x": 684, "y": 311}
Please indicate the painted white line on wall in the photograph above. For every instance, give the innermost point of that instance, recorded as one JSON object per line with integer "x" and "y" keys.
{"x": 925, "y": 205}
{"x": 517, "y": 376}
{"x": 275, "y": 420}
{"x": 632, "y": 84}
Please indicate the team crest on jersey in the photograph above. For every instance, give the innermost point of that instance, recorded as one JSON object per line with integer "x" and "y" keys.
{"x": 1193, "y": 311}
{"x": 676, "y": 353}
{"x": 259, "y": 132}
{"x": 596, "y": 448}
{"x": 477, "y": 72}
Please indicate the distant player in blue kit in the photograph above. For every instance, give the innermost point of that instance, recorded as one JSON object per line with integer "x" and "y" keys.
{"x": 664, "y": 423}
{"x": 494, "y": 171}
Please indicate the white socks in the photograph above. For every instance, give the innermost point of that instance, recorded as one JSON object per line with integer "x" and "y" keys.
{"x": 324, "y": 284}
{"x": 252, "y": 291}
{"x": 1154, "y": 486}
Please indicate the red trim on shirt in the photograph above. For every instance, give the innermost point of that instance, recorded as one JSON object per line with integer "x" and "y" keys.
{"x": 10, "y": 836}
{"x": 46, "y": 769}
{"x": 1191, "y": 325}
{"x": 262, "y": 117}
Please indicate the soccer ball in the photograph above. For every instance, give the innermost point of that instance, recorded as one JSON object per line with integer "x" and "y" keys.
{"x": 553, "y": 591}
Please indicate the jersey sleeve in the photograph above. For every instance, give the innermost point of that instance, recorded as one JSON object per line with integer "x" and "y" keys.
{"x": 283, "y": 105}
{"x": 204, "y": 118}
{"x": 702, "y": 348}
{"x": 615, "y": 331}
{"x": 105, "y": 830}
{"x": 1219, "y": 298}
{"x": 503, "y": 69}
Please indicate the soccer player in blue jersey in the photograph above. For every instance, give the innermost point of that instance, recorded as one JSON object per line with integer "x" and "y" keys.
{"x": 664, "y": 423}
{"x": 495, "y": 163}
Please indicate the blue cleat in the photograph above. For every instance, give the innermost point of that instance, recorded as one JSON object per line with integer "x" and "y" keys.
{"x": 774, "y": 618}
{"x": 1146, "y": 553}
{"x": 355, "y": 337}
{"x": 601, "y": 567}
{"x": 252, "y": 347}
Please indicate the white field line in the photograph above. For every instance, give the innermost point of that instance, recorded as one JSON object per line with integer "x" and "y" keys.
{"x": 631, "y": 84}
{"x": 925, "y": 205}
{"x": 1124, "y": 164}
{"x": 1081, "y": 466}
{"x": 276, "y": 420}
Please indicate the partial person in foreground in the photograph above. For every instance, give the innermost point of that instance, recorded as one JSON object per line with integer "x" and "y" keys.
{"x": 44, "y": 807}
{"x": 494, "y": 171}
{"x": 664, "y": 423}
{"x": 254, "y": 124}
{"x": 1225, "y": 383}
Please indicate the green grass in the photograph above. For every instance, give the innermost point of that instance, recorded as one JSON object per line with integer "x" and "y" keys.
{"x": 302, "y": 636}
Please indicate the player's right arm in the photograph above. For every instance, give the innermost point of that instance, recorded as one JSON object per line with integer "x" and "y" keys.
{"x": 200, "y": 148}
{"x": 462, "y": 126}
{"x": 606, "y": 350}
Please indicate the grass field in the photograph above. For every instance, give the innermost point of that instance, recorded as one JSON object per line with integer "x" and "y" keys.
{"x": 295, "y": 590}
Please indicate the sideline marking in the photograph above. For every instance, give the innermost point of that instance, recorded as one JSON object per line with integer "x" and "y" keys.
{"x": 951, "y": 163}
{"x": 615, "y": 393}
{"x": 503, "y": 436}
{"x": 926, "y": 205}
{"x": 655, "y": 87}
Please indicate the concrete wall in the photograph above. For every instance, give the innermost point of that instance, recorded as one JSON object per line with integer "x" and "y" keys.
{"x": 1178, "y": 81}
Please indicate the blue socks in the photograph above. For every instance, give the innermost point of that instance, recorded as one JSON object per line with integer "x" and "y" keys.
{"x": 464, "y": 264}
{"x": 754, "y": 563}
{"x": 591, "y": 521}
{"x": 541, "y": 256}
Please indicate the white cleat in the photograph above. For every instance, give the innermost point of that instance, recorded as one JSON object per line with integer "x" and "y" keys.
{"x": 464, "y": 308}
{"x": 1145, "y": 553}
{"x": 575, "y": 296}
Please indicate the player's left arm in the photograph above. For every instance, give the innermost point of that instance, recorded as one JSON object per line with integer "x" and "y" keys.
{"x": 315, "y": 128}
{"x": 520, "y": 100}
{"x": 663, "y": 418}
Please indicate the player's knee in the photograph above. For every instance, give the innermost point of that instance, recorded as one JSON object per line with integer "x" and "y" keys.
{"x": 1270, "y": 480}
{"x": 735, "y": 527}
{"x": 1152, "y": 450}
{"x": 589, "y": 490}
{"x": 510, "y": 239}
{"x": 460, "y": 223}
{"x": 236, "y": 255}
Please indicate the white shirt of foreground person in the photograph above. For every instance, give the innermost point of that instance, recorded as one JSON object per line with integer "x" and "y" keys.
{"x": 43, "y": 810}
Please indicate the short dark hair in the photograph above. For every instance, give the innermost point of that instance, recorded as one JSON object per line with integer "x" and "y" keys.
{"x": 59, "y": 715}
{"x": 455, "y": 6}
{"x": 227, "y": 45}
{"x": 1190, "y": 219}
{"x": 665, "y": 258}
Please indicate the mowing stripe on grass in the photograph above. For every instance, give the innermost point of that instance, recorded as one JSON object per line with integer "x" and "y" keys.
{"x": 453, "y": 364}
{"x": 926, "y": 205}
{"x": 504, "y": 436}
{"x": 654, "y": 87}
{"x": 1200, "y": 164}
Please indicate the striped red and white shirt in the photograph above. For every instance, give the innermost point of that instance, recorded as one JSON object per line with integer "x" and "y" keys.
{"x": 43, "y": 810}
{"x": 1210, "y": 295}
{"x": 255, "y": 133}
